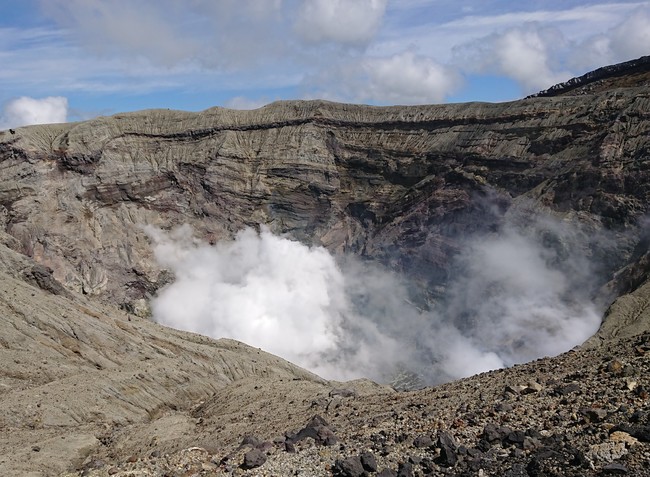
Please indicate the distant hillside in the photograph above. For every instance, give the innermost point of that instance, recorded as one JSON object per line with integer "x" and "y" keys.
{"x": 630, "y": 74}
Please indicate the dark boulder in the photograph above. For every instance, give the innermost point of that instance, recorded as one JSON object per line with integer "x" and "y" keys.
{"x": 253, "y": 458}
{"x": 349, "y": 467}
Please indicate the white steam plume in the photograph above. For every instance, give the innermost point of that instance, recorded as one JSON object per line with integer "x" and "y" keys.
{"x": 270, "y": 292}
{"x": 514, "y": 297}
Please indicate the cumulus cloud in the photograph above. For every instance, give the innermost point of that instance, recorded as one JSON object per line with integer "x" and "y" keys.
{"x": 348, "y": 22}
{"x": 556, "y": 45}
{"x": 227, "y": 34}
{"x": 627, "y": 40}
{"x": 409, "y": 78}
{"x": 402, "y": 78}
{"x": 25, "y": 111}
{"x": 224, "y": 35}
{"x": 373, "y": 51}
{"x": 286, "y": 42}
{"x": 515, "y": 295}
{"x": 347, "y": 50}
{"x": 527, "y": 54}
{"x": 631, "y": 38}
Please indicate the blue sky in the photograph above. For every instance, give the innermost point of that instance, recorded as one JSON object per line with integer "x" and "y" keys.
{"x": 67, "y": 60}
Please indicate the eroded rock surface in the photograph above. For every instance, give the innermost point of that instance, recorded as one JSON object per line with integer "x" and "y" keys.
{"x": 400, "y": 185}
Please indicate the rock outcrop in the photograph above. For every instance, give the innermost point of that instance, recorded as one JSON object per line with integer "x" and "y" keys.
{"x": 633, "y": 73}
{"x": 90, "y": 386}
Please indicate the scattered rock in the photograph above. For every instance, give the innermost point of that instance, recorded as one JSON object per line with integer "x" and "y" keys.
{"x": 614, "y": 469}
{"x": 251, "y": 441}
{"x": 515, "y": 438}
{"x": 405, "y": 469}
{"x": 593, "y": 414}
{"x": 342, "y": 392}
{"x": 517, "y": 470}
{"x": 368, "y": 462}
{"x": 515, "y": 389}
{"x": 530, "y": 443}
{"x": 607, "y": 451}
{"x": 620, "y": 436}
{"x": 615, "y": 367}
{"x": 387, "y": 473}
{"x": 640, "y": 432}
{"x": 253, "y": 458}
{"x": 567, "y": 389}
{"x": 415, "y": 460}
{"x": 493, "y": 433}
{"x": 349, "y": 467}
{"x": 318, "y": 429}
{"x": 422, "y": 441}
{"x": 531, "y": 387}
{"x": 503, "y": 407}
{"x": 448, "y": 448}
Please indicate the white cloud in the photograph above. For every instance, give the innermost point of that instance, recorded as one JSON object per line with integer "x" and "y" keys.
{"x": 403, "y": 78}
{"x": 525, "y": 54}
{"x": 627, "y": 40}
{"x": 408, "y": 78}
{"x": 25, "y": 111}
{"x": 347, "y": 50}
{"x": 631, "y": 39}
{"x": 244, "y": 103}
{"x": 440, "y": 37}
{"x": 552, "y": 46}
{"x": 528, "y": 54}
{"x": 351, "y": 22}
{"x": 222, "y": 35}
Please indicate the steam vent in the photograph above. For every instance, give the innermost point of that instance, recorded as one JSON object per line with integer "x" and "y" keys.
{"x": 322, "y": 289}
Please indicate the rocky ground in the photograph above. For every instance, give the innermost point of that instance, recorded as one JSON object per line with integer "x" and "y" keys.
{"x": 579, "y": 414}
{"x": 86, "y": 389}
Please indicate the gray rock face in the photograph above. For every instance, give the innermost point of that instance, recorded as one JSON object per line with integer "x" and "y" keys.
{"x": 397, "y": 184}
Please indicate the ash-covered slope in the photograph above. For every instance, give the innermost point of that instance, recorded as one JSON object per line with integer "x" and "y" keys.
{"x": 74, "y": 372}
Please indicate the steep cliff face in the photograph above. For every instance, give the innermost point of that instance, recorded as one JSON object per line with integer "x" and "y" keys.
{"x": 396, "y": 184}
